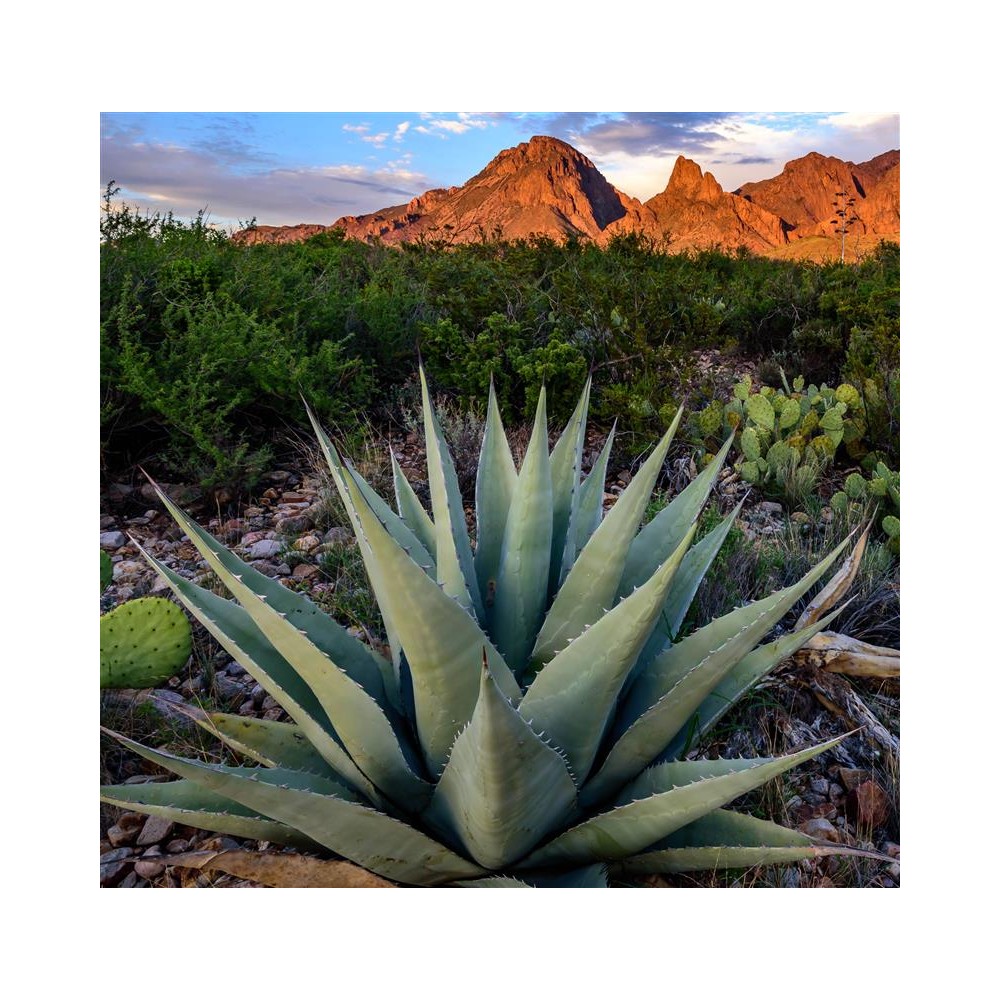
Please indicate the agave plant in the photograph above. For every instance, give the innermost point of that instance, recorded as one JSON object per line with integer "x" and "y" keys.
{"x": 529, "y": 724}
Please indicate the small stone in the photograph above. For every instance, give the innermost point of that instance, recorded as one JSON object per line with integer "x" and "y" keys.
{"x": 305, "y": 571}
{"x": 894, "y": 872}
{"x": 269, "y": 703}
{"x": 338, "y": 536}
{"x": 822, "y": 810}
{"x": 257, "y": 693}
{"x": 283, "y": 569}
{"x": 265, "y": 566}
{"x": 851, "y": 777}
{"x": 868, "y": 805}
{"x": 891, "y": 849}
{"x": 114, "y": 872}
{"x": 836, "y": 791}
{"x": 111, "y": 540}
{"x": 253, "y": 537}
{"x": 274, "y": 714}
{"x": 769, "y": 507}
{"x": 247, "y": 708}
{"x": 821, "y": 829}
{"x": 295, "y": 524}
{"x": 227, "y": 688}
{"x": 126, "y": 568}
{"x": 149, "y": 869}
{"x": 266, "y": 548}
{"x": 219, "y": 844}
{"x": 107, "y": 522}
{"x": 155, "y": 829}
{"x": 800, "y": 517}
{"x": 235, "y": 670}
{"x": 306, "y": 543}
{"x": 118, "y": 854}
{"x": 118, "y": 836}
{"x": 177, "y": 846}
{"x": 820, "y": 786}
{"x": 130, "y": 881}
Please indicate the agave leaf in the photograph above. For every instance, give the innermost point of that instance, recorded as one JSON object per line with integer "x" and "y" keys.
{"x": 362, "y": 664}
{"x": 363, "y": 835}
{"x": 494, "y": 882}
{"x": 588, "y": 877}
{"x": 187, "y": 802}
{"x": 455, "y": 568}
{"x": 685, "y": 585}
{"x": 390, "y": 671}
{"x": 723, "y": 839}
{"x": 273, "y": 744}
{"x": 573, "y": 697}
{"x": 661, "y": 800}
{"x": 739, "y": 680}
{"x": 588, "y": 512}
{"x": 411, "y": 510}
{"x": 393, "y": 523}
{"x": 233, "y": 628}
{"x": 496, "y": 480}
{"x": 360, "y": 722}
{"x": 648, "y": 736}
{"x": 592, "y": 583}
{"x": 566, "y": 459}
{"x": 661, "y": 536}
{"x": 521, "y": 591}
{"x": 659, "y": 676}
{"x": 440, "y": 637}
{"x": 503, "y": 788}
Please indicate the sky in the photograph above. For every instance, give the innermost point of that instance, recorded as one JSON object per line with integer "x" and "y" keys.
{"x": 287, "y": 168}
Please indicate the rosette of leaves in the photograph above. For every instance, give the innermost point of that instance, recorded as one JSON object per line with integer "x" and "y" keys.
{"x": 528, "y": 724}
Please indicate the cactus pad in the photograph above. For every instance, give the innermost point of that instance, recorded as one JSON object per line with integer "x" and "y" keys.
{"x": 143, "y": 642}
{"x": 750, "y": 444}
{"x": 854, "y": 486}
{"x": 760, "y": 411}
{"x": 790, "y": 414}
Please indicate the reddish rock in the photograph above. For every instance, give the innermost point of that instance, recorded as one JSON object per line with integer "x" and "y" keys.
{"x": 545, "y": 187}
{"x": 305, "y": 571}
{"x": 868, "y": 805}
{"x": 851, "y": 777}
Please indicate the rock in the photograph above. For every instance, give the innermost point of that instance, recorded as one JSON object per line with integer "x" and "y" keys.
{"x": 232, "y": 530}
{"x": 178, "y": 845}
{"x": 338, "y": 536}
{"x": 155, "y": 829}
{"x": 821, "y": 829}
{"x": 127, "y": 568}
{"x": 306, "y": 543}
{"x": 800, "y": 517}
{"x": 277, "y": 477}
{"x": 111, "y": 540}
{"x": 820, "y": 786}
{"x": 229, "y": 689}
{"x": 267, "y": 548}
{"x": 868, "y": 805}
{"x": 305, "y": 571}
{"x": 265, "y": 566}
{"x": 130, "y": 881}
{"x": 108, "y": 521}
{"x": 254, "y": 536}
{"x": 247, "y": 708}
{"x": 274, "y": 714}
{"x": 126, "y": 829}
{"x": 295, "y": 524}
{"x": 891, "y": 849}
{"x": 115, "y": 865}
{"x": 770, "y": 508}
{"x": 149, "y": 869}
{"x": 851, "y": 777}
{"x": 269, "y": 703}
{"x": 894, "y": 872}
{"x": 836, "y": 791}
{"x": 821, "y": 810}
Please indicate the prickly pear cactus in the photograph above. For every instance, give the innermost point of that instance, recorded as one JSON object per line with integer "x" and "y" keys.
{"x": 106, "y": 570}
{"x": 143, "y": 642}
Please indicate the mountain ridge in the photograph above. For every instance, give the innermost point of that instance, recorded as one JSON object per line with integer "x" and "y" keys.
{"x": 546, "y": 187}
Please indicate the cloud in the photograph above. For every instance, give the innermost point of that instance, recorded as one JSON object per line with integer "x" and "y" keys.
{"x": 462, "y": 123}
{"x": 185, "y": 180}
{"x": 401, "y": 130}
{"x": 376, "y": 140}
{"x": 355, "y": 128}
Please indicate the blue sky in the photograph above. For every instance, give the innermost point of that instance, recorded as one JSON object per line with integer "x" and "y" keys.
{"x": 285, "y": 168}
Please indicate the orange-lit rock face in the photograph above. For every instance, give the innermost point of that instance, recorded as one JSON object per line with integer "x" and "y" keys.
{"x": 546, "y": 187}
